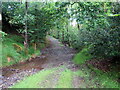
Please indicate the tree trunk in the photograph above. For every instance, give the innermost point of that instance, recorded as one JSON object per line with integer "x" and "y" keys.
{"x": 36, "y": 26}
{"x": 68, "y": 42}
{"x": 78, "y": 26}
{"x": 63, "y": 35}
{"x": 58, "y": 34}
{"x": 26, "y": 33}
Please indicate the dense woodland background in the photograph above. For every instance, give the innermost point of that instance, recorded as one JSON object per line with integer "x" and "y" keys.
{"x": 97, "y": 25}
{"x": 90, "y": 27}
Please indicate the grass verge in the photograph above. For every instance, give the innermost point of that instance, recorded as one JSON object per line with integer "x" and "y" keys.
{"x": 106, "y": 79}
{"x": 82, "y": 56}
{"x": 34, "y": 80}
{"x": 65, "y": 80}
{"x": 93, "y": 76}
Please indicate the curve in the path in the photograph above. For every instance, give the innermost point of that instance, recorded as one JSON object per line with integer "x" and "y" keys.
{"x": 58, "y": 70}
{"x": 55, "y": 55}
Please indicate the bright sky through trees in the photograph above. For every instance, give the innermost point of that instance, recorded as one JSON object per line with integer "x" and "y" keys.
{"x": 73, "y": 23}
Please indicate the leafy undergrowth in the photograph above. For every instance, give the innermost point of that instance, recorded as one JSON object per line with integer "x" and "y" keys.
{"x": 100, "y": 78}
{"x": 106, "y": 79}
{"x": 13, "y": 50}
{"x": 82, "y": 56}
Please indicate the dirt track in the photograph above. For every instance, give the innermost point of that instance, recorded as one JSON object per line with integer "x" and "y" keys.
{"x": 55, "y": 55}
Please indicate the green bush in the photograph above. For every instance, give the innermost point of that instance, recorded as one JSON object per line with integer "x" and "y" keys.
{"x": 102, "y": 42}
{"x": 82, "y": 56}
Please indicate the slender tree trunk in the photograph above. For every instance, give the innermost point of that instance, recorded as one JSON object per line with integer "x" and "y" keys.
{"x": 63, "y": 35}
{"x": 78, "y": 26}
{"x": 67, "y": 33}
{"x": 58, "y": 34}
{"x": 26, "y": 33}
{"x": 104, "y": 6}
{"x": 36, "y": 26}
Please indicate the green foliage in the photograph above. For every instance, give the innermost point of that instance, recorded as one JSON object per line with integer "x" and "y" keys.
{"x": 41, "y": 17}
{"x": 97, "y": 32}
{"x": 2, "y": 35}
{"x": 97, "y": 27}
{"x": 8, "y": 50}
{"x": 97, "y": 24}
{"x": 102, "y": 34}
{"x": 82, "y": 57}
{"x": 105, "y": 79}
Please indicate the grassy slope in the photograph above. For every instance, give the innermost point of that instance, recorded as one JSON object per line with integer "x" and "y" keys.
{"x": 8, "y": 50}
{"x": 105, "y": 79}
{"x": 81, "y": 57}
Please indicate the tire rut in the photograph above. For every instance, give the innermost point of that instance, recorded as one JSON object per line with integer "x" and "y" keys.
{"x": 51, "y": 79}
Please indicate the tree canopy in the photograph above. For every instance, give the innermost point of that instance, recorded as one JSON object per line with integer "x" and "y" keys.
{"x": 97, "y": 24}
